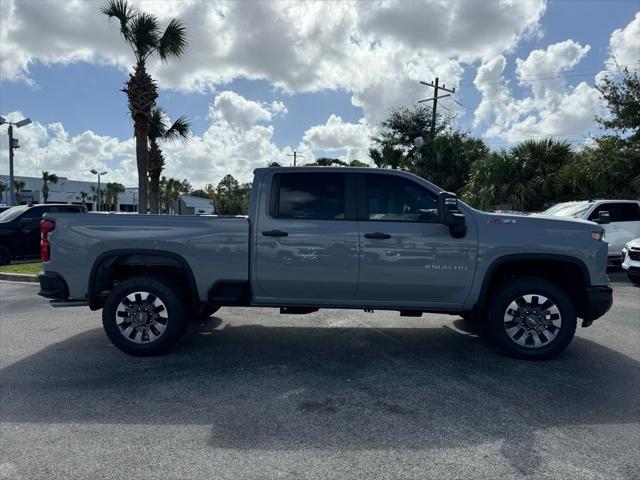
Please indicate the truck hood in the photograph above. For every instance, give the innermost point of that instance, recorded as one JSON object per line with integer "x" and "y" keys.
{"x": 634, "y": 244}
{"x": 547, "y": 221}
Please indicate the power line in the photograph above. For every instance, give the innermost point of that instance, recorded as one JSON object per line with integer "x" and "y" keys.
{"x": 436, "y": 86}
{"x": 585, "y": 73}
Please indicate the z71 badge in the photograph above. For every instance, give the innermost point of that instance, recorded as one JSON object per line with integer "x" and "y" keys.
{"x": 493, "y": 221}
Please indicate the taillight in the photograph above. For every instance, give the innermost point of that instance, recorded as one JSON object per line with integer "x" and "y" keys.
{"x": 46, "y": 226}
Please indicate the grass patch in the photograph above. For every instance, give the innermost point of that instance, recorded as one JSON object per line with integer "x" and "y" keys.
{"x": 24, "y": 268}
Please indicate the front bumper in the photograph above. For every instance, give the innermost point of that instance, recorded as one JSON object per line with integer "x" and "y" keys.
{"x": 598, "y": 301}
{"x": 53, "y": 286}
{"x": 631, "y": 265}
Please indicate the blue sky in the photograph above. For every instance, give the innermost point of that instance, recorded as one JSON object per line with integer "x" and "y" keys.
{"x": 77, "y": 87}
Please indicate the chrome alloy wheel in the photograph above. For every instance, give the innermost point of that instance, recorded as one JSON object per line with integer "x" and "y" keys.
{"x": 532, "y": 321}
{"x": 141, "y": 317}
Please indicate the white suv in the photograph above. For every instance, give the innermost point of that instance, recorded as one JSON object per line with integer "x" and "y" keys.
{"x": 621, "y": 226}
{"x": 631, "y": 260}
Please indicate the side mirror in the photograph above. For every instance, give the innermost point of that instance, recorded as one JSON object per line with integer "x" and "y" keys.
{"x": 603, "y": 217}
{"x": 450, "y": 215}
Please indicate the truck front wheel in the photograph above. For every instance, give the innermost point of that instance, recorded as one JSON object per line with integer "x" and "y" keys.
{"x": 145, "y": 315}
{"x": 531, "y": 318}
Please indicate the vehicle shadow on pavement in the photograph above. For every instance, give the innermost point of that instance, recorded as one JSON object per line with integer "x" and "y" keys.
{"x": 273, "y": 388}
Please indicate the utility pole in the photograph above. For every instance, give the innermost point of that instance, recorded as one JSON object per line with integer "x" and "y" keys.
{"x": 295, "y": 157}
{"x": 435, "y": 98}
{"x": 11, "y": 180}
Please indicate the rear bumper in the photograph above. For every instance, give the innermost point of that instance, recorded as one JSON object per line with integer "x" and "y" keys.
{"x": 53, "y": 286}
{"x": 598, "y": 301}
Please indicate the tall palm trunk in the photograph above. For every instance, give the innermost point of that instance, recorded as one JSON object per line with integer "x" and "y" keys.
{"x": 45, "y": 192}
{"x": 156, "y": 162}
{"x": 142, "y": 92}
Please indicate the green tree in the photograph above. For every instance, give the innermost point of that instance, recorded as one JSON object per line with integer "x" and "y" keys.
{"x": 160, "y": 130}
{"x": 445, "y": 159}
{"x": 83, "y": 196}
{"x": 622, "y": 95}
{"x": 489, "y": 181}
{"x": 111, "y": 192}
{"x": 18, "y": 186}
{"x": 170, "y": 190}
{"x": 143, "y": 34}
{"x": 525, "y": 177}
{"x": 47, "y": 178}
{"x": 610, "y": 167}
{"x": 326, "y": 162}
{"x": 230, "y": 197}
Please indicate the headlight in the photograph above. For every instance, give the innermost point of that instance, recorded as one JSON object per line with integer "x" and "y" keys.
{"x": 597, "y": 235}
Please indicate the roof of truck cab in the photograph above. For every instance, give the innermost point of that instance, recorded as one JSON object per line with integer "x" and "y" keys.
{"x": 388, "y": 171}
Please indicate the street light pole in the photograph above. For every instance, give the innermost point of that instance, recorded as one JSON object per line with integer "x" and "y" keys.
{"x": 13, "y": 143}
{"x": 95, "y": 172}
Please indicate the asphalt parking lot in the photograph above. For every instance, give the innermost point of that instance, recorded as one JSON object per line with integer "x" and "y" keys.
{"x": 255, "y": 394}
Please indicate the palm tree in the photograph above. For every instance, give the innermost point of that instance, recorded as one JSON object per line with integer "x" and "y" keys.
{"x": 46, "y": 179}
{"x": 142, "y": 32}
{"x": 111, "y": 191}
{"x": 83, "y": 198}
{"x": 159, "y": 129}
{"x": 18, "y": 186}
{"x": 95, "y": 198}
{"x": 170, "y": 189}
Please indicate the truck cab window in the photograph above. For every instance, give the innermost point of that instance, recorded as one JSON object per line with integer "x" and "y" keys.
{"x": 395, "y": 199}
{"x": 311, "y": 196}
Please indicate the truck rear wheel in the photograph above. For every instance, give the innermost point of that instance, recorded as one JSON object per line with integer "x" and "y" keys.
{"x": 531, "y": 318}
{"x": 145, "y": 315}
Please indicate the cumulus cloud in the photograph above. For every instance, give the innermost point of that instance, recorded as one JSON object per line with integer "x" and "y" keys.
{"x": 375, "y": 50}
{"x": 539, "y": 71}
{"x": 624, "y": 44}
{"x": 553, "y": 108}
{"x": 337, "y": 135}
{"x": 235, "y": 142}
{"x": 241, "y": 113}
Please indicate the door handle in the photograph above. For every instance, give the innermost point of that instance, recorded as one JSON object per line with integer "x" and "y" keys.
{"x": 275, "y": 233}
{"x": 377, "y": 235}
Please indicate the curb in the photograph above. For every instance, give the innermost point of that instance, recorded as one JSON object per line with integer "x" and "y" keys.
{"x": 18, "y": 277}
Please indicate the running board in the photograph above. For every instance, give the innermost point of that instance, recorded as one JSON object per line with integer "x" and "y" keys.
{"x": 68, "y": 303}
{"x": 297, "y": 310}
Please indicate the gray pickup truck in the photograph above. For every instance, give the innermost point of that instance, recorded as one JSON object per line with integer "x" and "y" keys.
{"x": 332, "y": 238}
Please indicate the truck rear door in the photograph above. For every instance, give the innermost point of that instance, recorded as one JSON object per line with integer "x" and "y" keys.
{"x": 307, "y": 237}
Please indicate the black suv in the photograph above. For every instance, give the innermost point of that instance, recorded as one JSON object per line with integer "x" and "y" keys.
{"x": 20, "y": 229}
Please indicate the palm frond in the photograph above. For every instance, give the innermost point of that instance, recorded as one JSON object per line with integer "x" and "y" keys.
{"x": 157, "y": 123}
{"x": 180, "y": 130}
{"x": 121, "y": 10}
{"x": 143, "y": 35}
{"x": 173, "y": 41}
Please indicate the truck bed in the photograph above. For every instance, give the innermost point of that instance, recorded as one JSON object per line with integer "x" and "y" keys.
{"x": 215, "y": 248}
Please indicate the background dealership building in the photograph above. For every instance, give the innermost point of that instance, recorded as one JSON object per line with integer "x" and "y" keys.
{"x": 70, "y": 191}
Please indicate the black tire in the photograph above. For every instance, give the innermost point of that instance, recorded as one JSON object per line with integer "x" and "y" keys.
{"x": 5, "y": 256}
{"x": 635, "y": 278}
{"x": 175, "y": 321}
{"x": 501, "y": 300}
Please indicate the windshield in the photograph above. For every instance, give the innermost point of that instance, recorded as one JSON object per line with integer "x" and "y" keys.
{"x": 13, "y": 213}
{"x": 575, "y": 210}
